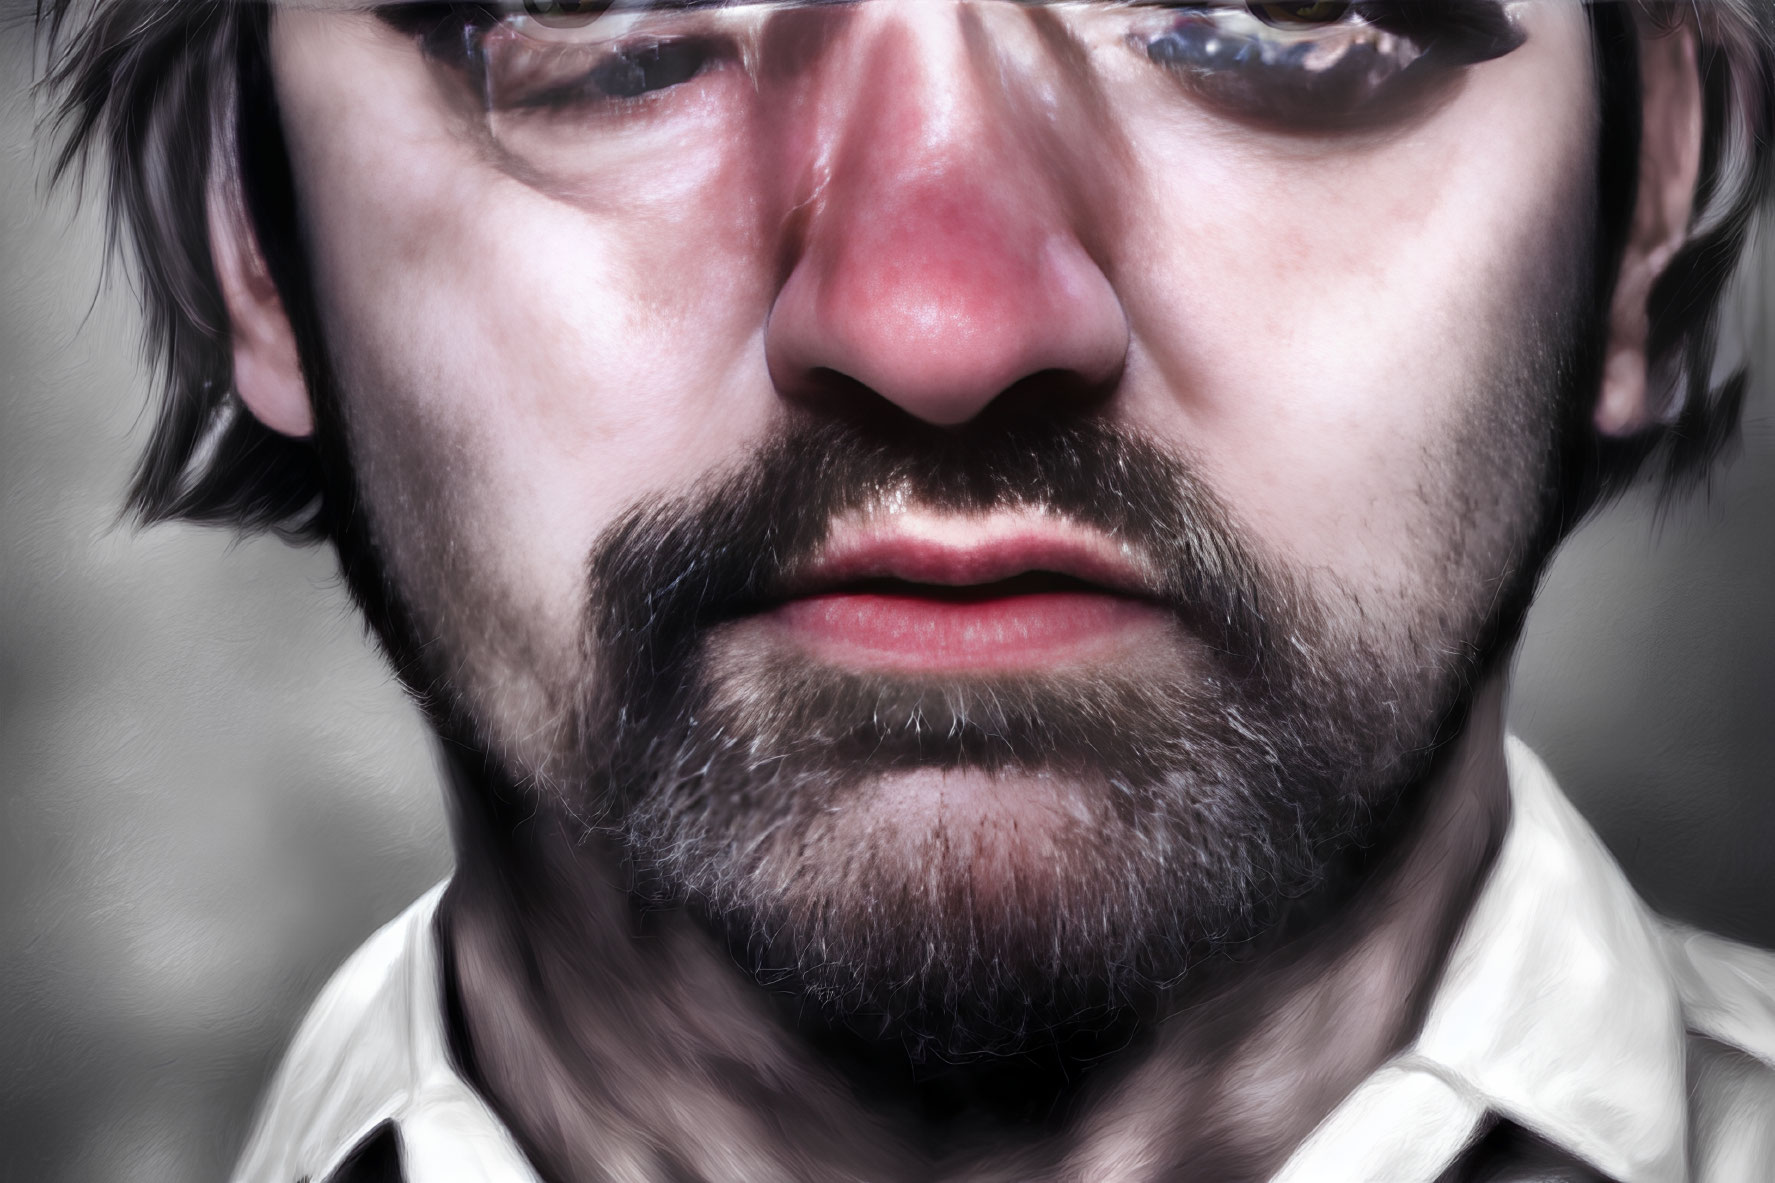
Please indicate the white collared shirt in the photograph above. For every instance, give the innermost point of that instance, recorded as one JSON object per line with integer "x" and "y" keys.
{"x": 1639, "y": 1048}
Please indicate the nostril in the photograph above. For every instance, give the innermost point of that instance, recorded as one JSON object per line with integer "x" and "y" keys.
{"x": 1052, "y": 392}
{"x": 1045, "y": 397}
{"x": 947, "y": 383}
{"x": 833, "y": 394}
{"x": 945, "y": 308}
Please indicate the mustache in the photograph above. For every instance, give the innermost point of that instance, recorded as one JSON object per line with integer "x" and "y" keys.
{"x": 666, "y": 573}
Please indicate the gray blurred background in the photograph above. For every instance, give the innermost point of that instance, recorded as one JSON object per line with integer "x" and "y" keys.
{"x": 211, "y": 791}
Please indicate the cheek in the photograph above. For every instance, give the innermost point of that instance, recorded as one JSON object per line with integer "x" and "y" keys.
{"x": 1324, "y": 330}
{"x": 532, "y": 344}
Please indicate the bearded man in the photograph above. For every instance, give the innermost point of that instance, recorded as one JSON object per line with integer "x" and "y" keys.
{"x": 964, "y": 555}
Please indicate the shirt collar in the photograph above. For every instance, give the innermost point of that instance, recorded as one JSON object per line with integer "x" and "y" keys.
{"x": 373, "y": 1049}
{"x": 1556, "y": 1010}
{"x": 1557, "y": 1007}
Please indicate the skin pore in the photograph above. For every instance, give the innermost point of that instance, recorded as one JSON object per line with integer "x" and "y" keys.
{"x": 912, "y": 217}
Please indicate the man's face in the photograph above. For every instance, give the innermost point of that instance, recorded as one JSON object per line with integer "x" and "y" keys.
{"x": 984, "y": 499}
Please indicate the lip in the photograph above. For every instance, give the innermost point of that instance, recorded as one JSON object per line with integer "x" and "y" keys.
{"x": 1008, "y": 592}
{"x": 946, "y": 553}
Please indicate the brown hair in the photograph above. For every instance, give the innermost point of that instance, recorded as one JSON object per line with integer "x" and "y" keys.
{"x": 161, "y": 90}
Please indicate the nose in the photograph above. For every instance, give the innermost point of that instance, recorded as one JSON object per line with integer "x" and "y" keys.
{"x": 938, "y": 261}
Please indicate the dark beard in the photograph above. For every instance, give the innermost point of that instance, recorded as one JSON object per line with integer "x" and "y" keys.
{"x": 1216, "y": 799}
{"x": 1205, "y": 799}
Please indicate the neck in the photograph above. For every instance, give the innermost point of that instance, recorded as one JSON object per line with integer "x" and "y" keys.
{"x": 618, "y": 1044}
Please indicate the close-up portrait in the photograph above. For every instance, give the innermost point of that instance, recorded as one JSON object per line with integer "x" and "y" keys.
{"x": 887, "y": 591}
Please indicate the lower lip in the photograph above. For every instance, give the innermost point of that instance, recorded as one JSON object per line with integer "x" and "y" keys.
{"x": 909, "y": 632}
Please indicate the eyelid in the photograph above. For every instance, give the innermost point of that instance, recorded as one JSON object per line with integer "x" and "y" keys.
{"x": 1490, "y": 24}
{"x": 1372, "y": 65}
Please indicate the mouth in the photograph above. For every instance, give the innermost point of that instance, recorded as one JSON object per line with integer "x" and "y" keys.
{"x": 1006, "y": 592}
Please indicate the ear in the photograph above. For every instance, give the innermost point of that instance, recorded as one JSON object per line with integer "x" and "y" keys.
{"x": 267, "y": 370}
{"x": 1669, "y": 168}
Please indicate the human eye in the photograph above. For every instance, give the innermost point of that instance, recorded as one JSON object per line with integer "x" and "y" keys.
{"x": 1317, "y": 64}
{"x": 579, "y": 56}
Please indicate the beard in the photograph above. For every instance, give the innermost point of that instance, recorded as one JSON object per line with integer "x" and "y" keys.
{"x": 1182, "y": 809}
{"x": 1153, "y": 817}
